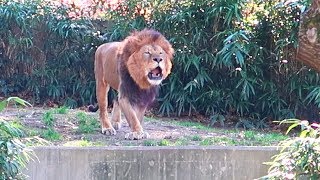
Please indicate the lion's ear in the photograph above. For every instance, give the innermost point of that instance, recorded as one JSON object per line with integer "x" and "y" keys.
{"x": 170, "y": 52}
{"x": 168, "y": 49}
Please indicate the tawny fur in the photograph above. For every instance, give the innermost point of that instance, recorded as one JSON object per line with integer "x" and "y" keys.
{"x": 124, "y": 66}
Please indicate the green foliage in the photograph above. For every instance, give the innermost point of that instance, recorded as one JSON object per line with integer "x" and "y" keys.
{"x": 87, "y": 124}
{"x": 192, "y": 124}
{"x": 13, "y": 153}
{"x": 249, "y": 135}
{"x": 51, "y": 134}
{"x": 232, "y": 57}
{"x": 48, "y": 119}
{"x": 217, "y": 118}
{"x": 249, "y": 138}
{"x": 17, "y": 100}
{"x": 45, "y": 53}
{"x": 299, "y": 157}
{"x": 181, "y": 142}
{"x": 164, "y": 142}
{"x": 149, "y": 142}
{"x": 82, "y": 143}
{"x": 62, "y": 110}
{"x": 196, "y": 138}
{"x": 245, "y": 123}
{"x": 222, "y": 141}
{"x": 207, "y": 142}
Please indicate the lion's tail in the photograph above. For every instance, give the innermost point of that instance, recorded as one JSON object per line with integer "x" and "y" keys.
{"x": 92, "y": 108}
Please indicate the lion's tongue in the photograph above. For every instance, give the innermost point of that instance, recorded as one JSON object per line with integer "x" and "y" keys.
{"x": 156, "y": 72}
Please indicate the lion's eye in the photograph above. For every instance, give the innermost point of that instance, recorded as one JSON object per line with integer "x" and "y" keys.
{"x": 160, "y": 52}
{"x": 147, "y": 52}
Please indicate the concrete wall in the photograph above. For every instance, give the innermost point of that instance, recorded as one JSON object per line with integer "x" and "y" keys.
{"x": 150, "y": 163}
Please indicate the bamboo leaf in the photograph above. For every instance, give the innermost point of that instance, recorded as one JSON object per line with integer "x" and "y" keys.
{"x": 19, "y": 101}
{"x": 291, "y": 127}
{"x": 3, "y": 105}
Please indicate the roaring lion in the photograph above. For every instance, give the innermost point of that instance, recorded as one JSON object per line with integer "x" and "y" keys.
{"x": 135, "y": 67}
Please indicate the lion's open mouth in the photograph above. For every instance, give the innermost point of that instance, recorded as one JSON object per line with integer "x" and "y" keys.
{"x": 155, "y": 74}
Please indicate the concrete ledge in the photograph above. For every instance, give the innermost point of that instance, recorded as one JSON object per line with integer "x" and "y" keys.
{"x": 150, "y": 163}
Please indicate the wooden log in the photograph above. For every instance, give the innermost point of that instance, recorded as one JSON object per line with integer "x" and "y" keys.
{"x": 309, "y": 45}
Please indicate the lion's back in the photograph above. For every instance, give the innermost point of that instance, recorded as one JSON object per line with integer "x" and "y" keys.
{"x": 106, "y": 63}
{"x": 107, "y": 50}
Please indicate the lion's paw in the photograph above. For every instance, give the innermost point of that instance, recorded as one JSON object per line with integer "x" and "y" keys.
{"x": 116, "y": 125}
{"x": 137, "y": 135}
{"x": 109, "y": 131}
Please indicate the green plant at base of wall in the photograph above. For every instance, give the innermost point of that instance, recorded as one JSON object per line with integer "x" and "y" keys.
{"x": 299, "y": 157}
{"x": 14, "y": 154}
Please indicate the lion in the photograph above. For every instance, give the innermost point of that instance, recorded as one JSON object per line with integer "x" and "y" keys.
{"x": 135, "y": 67}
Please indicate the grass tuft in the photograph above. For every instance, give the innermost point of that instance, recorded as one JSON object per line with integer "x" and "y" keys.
{"x": 82, "y": 143}
{"x": 87, "y": 124}
{"x": 150, "y": 142}
{"x": 61, "y": 110}
{"x": 48, "y": 119}
{"x": 51, "y": 135}
{"x": 196, "y": 138}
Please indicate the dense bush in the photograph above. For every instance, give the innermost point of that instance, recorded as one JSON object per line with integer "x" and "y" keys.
{"x": 45, "y": 53}
{"x": 233, "y": 57}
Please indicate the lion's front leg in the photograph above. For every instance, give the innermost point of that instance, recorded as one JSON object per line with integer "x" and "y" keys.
{"x": 132, "y": 115}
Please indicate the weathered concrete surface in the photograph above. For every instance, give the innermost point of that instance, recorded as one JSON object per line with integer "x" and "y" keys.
{"x": 150, "y": 163}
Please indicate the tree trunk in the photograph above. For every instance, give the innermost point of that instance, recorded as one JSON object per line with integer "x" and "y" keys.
{"x": 309, "y": 34}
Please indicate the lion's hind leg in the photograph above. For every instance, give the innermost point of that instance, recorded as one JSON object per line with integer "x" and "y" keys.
{"x": 116, "y": 115}
{"x": 102, "y": 97}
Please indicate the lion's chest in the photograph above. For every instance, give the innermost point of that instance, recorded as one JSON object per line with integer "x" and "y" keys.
{"x": 143, "y": 98}
{"x": 135, "y": 95}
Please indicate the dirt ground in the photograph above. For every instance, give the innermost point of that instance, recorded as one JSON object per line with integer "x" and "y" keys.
{"x": 67, "y": 125}
{"x": 162, "y": 131}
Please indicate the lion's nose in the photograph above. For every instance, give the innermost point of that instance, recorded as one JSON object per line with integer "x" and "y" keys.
{"x": 157, "y": 59}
